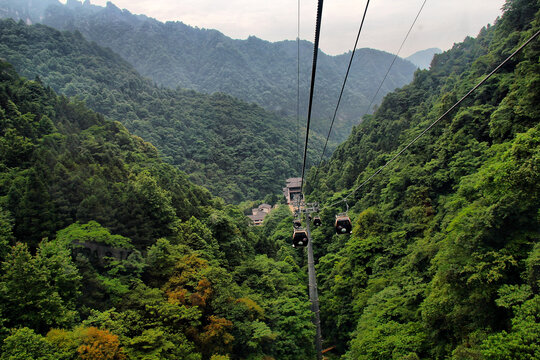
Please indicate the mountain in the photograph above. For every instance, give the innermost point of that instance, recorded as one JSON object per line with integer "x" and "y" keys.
{"x": 237, "y": 150}
{"x": 107, "y": 252}
{"x": 174, "y": 55}
{"x": 30, "y": 11}
{"x": 443, "y": 260}
{"x": 422, "y": 59}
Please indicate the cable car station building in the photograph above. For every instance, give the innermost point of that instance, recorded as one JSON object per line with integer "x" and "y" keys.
{"x": 292, "y": 190}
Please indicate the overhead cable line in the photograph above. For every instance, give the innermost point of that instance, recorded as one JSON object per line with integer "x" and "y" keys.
{"x": 342, "y": 88}
{"x": 312, "y": 87}
{"x": 394, "y": 60}
{"x": 436, "y": 121}
{"x": 298, "y": 153}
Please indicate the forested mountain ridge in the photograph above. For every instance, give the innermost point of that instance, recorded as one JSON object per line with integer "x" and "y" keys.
{"x": 443, "y": 262}
{"x": 177, "y": 55}
{"x": 107, "y": 252}
{"x": 423, "y": 58}
{"x": 237, "y": 150}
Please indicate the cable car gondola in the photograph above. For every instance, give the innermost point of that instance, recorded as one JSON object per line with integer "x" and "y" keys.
{"x": 343, "y": 224}
{"x": 300, "y": 238}
{"x": 297, "y": 224}
{"x": 317, "y": 221}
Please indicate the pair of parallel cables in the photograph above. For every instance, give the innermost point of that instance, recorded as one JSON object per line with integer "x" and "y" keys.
{"x": 408, "y": 145}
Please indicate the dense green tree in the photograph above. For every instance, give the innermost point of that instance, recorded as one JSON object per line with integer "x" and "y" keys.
{"x": 253, "y": 70}
{"x": 6, "y": 232}
{"x": 38, "y": 290}
{"x": 443, "y": 260}
{"x": 237, "y": 150}
{"x": 442, "y": 239}
{"x": 118, "y": 254}
{"x": 25, "y": 344}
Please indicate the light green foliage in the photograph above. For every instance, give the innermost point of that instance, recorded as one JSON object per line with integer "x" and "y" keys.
{"x": 281, "y": 299}
{"x": 25, "y": 344}
{"x": 64, "y": 343}
{"x": 521, "y": 342}
{"x": 219, "y": 357}
{"x": 110, "y": 276}
{"x": 91, "y": 232}
{"x": 158, "y": 344}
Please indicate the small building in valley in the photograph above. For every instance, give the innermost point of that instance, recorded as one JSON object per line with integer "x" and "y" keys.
{"x": 259, "y": 213}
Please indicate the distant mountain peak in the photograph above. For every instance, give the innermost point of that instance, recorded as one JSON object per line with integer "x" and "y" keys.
{"x": 423, "y": 58}
{"x": 73, "y": 3}
{"x": 111, "y": 6}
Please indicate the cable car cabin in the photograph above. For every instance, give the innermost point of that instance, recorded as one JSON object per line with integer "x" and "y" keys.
{"x": 300, "y": 238}
{"x": 343, "y": 224}
{"x": 317, "y": 221}
{"x": 297, "y": 224}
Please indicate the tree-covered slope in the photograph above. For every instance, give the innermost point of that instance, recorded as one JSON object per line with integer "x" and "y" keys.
{"x": 237, "y": 150}
{"x": 62, "y": 163}
{"x": 177, "y": 55}
{"x": 443, "y": 260}
{"x": 107, "y": 252}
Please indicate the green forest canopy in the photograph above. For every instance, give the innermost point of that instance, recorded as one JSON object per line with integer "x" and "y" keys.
{"x": 443, "y": 259}
{"x": 174, "y": 55}
{"x": 107, "y": 252}
{"x": 237, "y": 150}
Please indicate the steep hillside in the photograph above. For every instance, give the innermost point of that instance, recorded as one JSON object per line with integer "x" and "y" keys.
{"x": 60, "y": 161}
{"x": 237, "y": 150}
{"x": 107, "y": 252}
{"x": 443, "y": 262}
{"x": 177, "y": 55}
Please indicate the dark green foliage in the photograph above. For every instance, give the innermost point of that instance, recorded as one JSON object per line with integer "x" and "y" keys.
{"x": 440, "y": 262}
{"x": 115, "y": 254}
{"x": 175, "y": 55}
{"x": 6, "y": 232}
{"x": 39, "y": 291}
{"x": 86, "y": 169}
{"x": 237, "y": 150}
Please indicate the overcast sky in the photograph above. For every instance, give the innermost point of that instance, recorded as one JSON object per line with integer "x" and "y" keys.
{"x": 441, "y": 23}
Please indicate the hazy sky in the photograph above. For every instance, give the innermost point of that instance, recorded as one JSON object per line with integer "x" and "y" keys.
{"x": 441, "y": 23}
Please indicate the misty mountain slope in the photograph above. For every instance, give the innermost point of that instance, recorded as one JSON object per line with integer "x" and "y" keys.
{"x": 237, "y": 150}
{"x": 423, "y": 58}
{"x": 177, "y": 55}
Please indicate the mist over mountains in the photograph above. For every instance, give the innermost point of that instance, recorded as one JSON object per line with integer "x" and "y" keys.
{"x": 174, "y": 54}
{"x": 237, "y": 150}
{"x": 423, "y": 58}
{"x": 108, "y": 250}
